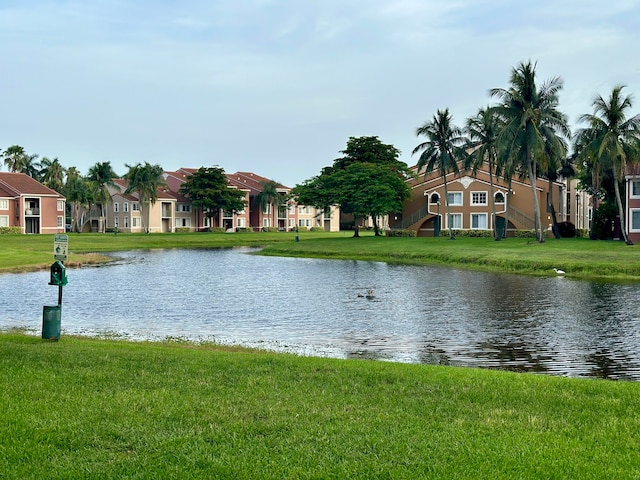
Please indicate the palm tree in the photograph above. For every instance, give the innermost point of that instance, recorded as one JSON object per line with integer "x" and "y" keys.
{"x": 80, "y": 196}
{"x": 14, "y": 158}
{"x": 611, "y": 140}
{"x": 52, "y": 173}
{"x": 102, "y": 177}
{"x": 533, "y": 126}
{"x": 442, "y": 150}
{"x": 483, "y": 130}
{"x": 145, "y": 180}
{"x": 270, "y": 196}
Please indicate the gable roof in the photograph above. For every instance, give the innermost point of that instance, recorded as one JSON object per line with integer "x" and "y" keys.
{"x": 16, "y": 184}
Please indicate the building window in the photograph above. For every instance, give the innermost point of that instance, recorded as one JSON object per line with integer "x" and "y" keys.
{"x": 455, "y": 221}
{"x": 292, "y": 223}
{"x": 435, "y": 198}
{"x": 4, "y": 204}
{"x": 183, "y": 207}
{"x": 266, "y": 209}
{"x": 478, "y": 198}
{"x": 135, "y": 206}
{"x": 116, "y": 222}
{"x": 60, "y": 221}
{"x": 116, "y": 207}
{"x": 60, "y": 205}
{"x": 4, "y": 220}
{"x": 479, "y": 221}
{"x": 635, "y": 220}
{"x": 454, "y": 198}
{"x": 499, "y": 197}
{"x": 635, "y": 188}
{"x": 126, "y": 222}
{"x": 125, "y": 207}
{"x": 135, "y": 222}
{"x": 241, "y": 222}
{"x": 266, "y": 222}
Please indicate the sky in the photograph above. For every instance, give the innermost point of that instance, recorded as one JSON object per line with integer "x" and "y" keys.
{"x": 277, "y": 87}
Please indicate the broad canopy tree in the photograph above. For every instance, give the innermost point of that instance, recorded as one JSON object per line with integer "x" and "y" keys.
{"x": 209, "y": 190}
{"x": 368, "y": 180}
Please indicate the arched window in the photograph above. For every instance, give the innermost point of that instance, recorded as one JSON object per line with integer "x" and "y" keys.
{"x": 499, "y": 197}
{"x": 435, "y": 198}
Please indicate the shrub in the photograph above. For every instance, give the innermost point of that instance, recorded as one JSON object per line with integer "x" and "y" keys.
{"x": 525, "y": 234}
{"x": 582, "y": 232}
{"x": 244, "y": 230}
{"x": 10, "y": 230}
{"x": 182, "y": 229}
{"x": 317, "y": 229}
{"x": 566, "y": 229}
{"x": 401, "y": 233}
{"x": 217, "y": 230}
{"x": 270, "y": 229}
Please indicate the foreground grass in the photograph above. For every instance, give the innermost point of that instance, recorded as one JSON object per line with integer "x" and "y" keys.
{"x": 87, "y": 408}
{"x": 580, "y": 258}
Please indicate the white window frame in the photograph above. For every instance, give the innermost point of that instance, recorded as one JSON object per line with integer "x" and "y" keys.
{"x": 478, "y": 216}
{"x": 116, "y": 222}
{"x": 4, "y": 220}
{"x": 135, "y": 207}
{"x": 504, "y": 198}
{"x": 60, "y": 221}
{"x": 4, "y": 204}
{"x": 635, "y": 188}
{"x": 125, "y": 207}
{"x": 135, "y": 222}
{"x": 116, "y": 207}
{"x": 266, "y": 222}
{"x": 450, "y": 220}
{"x": 60, "y": 205}
{"x": 476, "y": 198}
{"x": 455, "y": 196}
{"x": 241, "y": 222}
{"x": 634, "y": 226}
{"x": 126, "y": 222}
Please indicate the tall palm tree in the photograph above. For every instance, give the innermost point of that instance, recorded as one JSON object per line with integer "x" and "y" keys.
{"x": 442, "y": 150}
{"x": 533, "y": 125}
{"x": 80, "y": 195}
{"x": 483, "y": 130}
{"x": 612, "y": 140}
{"x": 270, "y": 196}
{"x": 30, "y": 166}
{"x": 52, "y": 173}
{"x": 14, "y": 157}
{"x": 102, "y": 177}
{"x": 145, "y": 180}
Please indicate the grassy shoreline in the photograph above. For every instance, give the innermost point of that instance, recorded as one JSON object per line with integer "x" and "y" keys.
{"x": 580, "y": 258}
{"x": 88, "y": 408}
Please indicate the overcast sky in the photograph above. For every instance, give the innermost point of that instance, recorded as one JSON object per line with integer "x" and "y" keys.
{"x": 278, "y": 86}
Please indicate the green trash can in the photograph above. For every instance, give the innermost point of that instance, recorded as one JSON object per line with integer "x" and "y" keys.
{"x": 51, "y": 322}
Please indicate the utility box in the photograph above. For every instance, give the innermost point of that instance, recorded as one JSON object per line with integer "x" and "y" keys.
{"x": 58, "y": 274}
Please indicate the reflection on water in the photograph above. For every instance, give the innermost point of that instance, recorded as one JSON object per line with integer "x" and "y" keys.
{"x": 320, "y": 307}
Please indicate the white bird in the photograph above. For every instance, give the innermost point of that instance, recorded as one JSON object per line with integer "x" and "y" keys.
{"x": 558, "y": 271}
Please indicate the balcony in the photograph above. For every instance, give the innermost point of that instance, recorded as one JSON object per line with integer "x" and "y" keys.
{"x": 31, "y": 212}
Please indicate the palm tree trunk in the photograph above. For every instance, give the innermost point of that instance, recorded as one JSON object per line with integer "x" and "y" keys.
{"x": 616, "y": 188}
{"x": 496, "y": 235}
{"x": 506, "y": 210}
{"x": 536, "y": 204}
{"x": 446, "y": 205}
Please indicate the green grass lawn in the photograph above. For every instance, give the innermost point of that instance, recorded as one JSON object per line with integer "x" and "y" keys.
{"x": 580, "y": 258}
{"x": 87, "y": 408}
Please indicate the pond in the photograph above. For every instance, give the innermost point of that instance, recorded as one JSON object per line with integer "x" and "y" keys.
{"x": 417, "y": 314}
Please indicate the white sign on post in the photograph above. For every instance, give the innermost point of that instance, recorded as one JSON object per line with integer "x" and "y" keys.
{"x": 60, "y": 247}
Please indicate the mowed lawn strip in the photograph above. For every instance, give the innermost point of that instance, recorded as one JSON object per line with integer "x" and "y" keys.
{"x": 88, "y": 408}
{"x": 580, "y": 258}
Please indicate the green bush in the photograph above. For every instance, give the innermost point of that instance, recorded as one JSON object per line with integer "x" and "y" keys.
{"x": 401, "y": 233}
{"x": 582, "y": 233}
{"x": 525, "y": 234}
{"x": 270, "y": 229}
{"x": 217, "y": 230}
{"x": 10, "y": 230}
{"x": 244, "y": 230}
{"x": 182, "y": 229}
{"x": 317, "y": 229}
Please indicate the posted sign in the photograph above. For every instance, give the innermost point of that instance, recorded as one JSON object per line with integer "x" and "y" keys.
{"x": 60, "y": 247}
